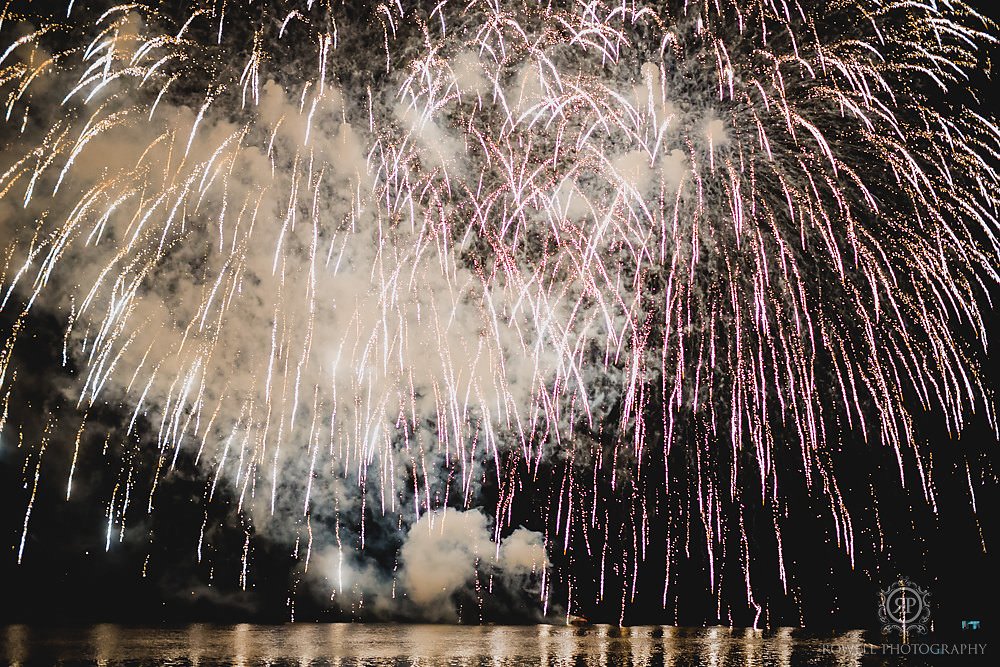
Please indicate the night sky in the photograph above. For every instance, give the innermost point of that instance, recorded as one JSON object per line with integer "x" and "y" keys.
{"x": 71, "y": 572}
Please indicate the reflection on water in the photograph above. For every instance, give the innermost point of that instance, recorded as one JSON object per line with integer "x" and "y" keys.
{"x": 354, "y": 645}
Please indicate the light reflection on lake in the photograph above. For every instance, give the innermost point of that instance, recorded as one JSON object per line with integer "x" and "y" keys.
{"x": 354, "y": 645}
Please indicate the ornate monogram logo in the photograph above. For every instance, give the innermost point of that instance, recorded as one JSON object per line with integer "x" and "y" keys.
{"x": 905, "y": 608}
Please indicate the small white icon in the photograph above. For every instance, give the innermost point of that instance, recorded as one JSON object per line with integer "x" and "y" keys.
{"x": 905, "y": 608}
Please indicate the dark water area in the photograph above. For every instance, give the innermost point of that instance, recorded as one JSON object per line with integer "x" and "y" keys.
{"x": 391, "y": 645}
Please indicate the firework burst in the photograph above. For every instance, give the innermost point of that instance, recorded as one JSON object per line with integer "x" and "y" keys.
{"x": 344, "y": 255}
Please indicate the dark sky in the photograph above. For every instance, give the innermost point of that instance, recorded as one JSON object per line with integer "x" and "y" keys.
{"x": 67, "y": 575}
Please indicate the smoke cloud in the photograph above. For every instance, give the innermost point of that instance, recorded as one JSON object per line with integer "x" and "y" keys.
{"x": 446, "y": 555}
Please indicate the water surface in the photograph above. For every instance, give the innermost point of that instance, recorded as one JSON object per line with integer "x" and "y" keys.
{"x": 388, "y": 645}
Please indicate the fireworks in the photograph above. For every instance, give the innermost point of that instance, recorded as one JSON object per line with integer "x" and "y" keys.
{"x": 354, "y": 256}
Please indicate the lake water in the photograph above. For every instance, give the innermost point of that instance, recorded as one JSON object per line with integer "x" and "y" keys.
{"x": 350, "y": 645}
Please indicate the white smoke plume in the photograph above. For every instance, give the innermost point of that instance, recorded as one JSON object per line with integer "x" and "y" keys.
{"x": 274, "y": 301}
{"x": 446, "y": 552}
